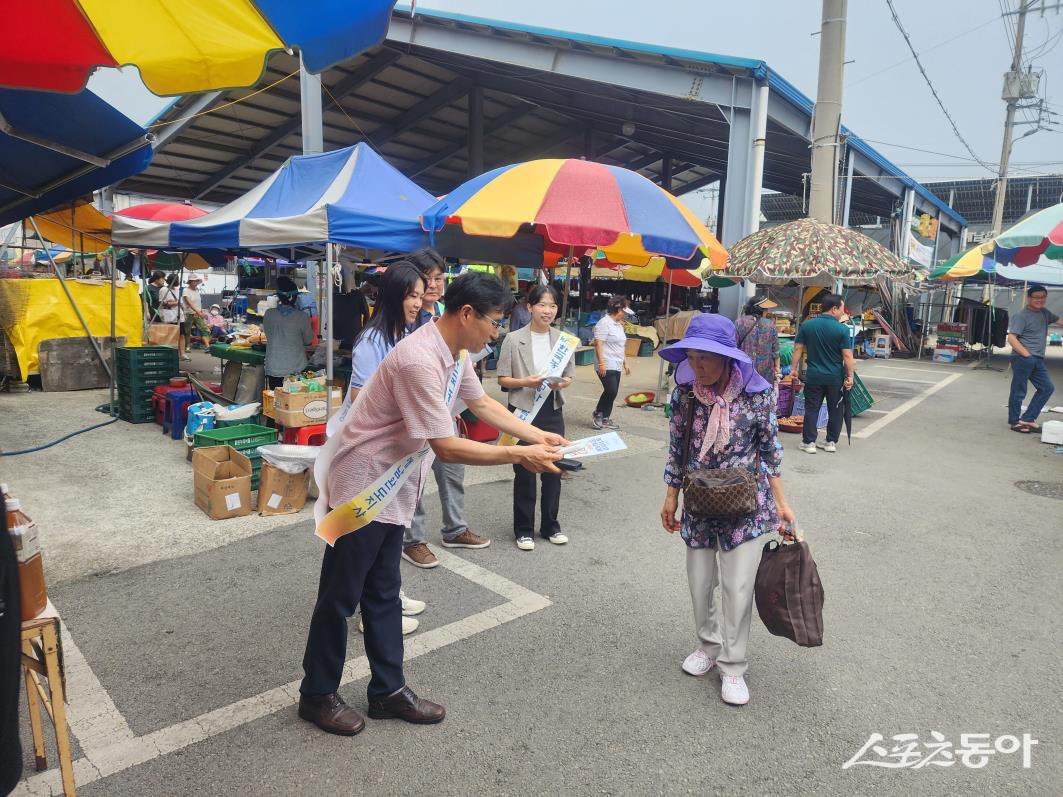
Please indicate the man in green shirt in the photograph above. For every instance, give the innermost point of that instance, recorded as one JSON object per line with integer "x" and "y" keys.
{"x": 825, "y": 341}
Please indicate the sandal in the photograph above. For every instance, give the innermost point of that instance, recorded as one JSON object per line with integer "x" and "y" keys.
{"x": 1020, "y": 427}
{"x": 1033, "y": 427}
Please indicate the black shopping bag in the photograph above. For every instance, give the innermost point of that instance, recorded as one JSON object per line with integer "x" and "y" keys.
{"x": 789, "y": 593}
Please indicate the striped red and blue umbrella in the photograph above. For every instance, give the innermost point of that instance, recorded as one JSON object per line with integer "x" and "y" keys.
{"x": 180, "y": 48}
{"x": 579, "y": 204}
{"x": 1038, "y": 237}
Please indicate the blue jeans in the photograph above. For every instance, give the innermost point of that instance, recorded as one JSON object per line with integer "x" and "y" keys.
{"x": 1023, "y": 370}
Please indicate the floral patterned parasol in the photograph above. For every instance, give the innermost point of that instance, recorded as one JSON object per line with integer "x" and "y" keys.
{"x": 809, "y": 252}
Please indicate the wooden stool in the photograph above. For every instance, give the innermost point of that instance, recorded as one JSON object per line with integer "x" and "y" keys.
{"x": 41, "y": 662}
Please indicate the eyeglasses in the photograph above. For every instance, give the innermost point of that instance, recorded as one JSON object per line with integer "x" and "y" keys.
{"x": 496, "y": 324}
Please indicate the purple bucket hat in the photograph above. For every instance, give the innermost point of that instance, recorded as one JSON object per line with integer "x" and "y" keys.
{"x": 712, "y": 333}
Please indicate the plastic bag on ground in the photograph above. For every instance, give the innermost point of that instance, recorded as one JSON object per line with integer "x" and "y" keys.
{"x": 289, "y": 458}
{"x": 236, "y": 412}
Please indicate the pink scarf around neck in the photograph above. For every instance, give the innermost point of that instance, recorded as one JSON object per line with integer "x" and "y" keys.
{"x": 718, "y": 430}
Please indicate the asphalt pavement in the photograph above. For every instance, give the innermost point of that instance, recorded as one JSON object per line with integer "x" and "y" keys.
{"x": 559, "y": 667}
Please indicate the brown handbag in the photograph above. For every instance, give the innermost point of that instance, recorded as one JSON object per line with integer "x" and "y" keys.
{"x": 717, "y": 493}
{"x": 789, "y": 593}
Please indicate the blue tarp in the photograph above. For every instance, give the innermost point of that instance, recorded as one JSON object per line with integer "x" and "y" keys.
{"x": 34, "y": 178}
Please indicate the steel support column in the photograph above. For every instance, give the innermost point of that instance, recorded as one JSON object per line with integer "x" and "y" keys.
{"x": 476, "y": 132}
{"x": 310, "y": 111}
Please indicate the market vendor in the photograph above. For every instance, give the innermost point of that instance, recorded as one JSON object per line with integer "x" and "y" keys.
{"x": 288, "y": 333}
{"x": 403, "y": 418}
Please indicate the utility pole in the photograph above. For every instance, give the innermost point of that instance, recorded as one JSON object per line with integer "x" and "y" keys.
{"x": 826, "y": 121}
{"x": 1012, "y": 93}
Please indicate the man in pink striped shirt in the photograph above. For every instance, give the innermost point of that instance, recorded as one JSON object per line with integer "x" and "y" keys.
{"x": 401, "y": 409}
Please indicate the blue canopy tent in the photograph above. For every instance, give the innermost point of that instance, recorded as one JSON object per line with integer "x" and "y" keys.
{"x": 349, "y": 196}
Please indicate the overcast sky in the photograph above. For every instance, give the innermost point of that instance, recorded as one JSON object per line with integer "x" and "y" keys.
{"x": 964, "y": 45}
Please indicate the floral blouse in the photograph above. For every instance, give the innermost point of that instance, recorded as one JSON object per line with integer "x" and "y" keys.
{"x": 759, "y": 338}
{"x": 754, "y": 445}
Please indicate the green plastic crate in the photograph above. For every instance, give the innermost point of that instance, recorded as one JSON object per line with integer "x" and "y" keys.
{"x": 859, "y": 397}
{"x": 585, "y": 355}
{"x": 243, "y": 436}
{"x": 142, "y": 355}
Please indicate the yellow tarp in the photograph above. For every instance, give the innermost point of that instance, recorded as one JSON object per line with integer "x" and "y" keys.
{"x": 83, "y": 230}
{"x": 32, "y": 310}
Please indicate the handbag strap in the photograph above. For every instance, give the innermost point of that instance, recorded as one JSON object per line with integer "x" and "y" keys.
{"x": 688, "y": 422}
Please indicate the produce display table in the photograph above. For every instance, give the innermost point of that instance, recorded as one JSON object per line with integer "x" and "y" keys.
{"x": 223, "y": 351}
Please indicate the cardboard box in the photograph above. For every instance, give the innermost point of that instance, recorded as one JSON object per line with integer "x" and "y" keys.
{"x": 631, "y": 348}
{"x": 221, "y": 477}
{"x": 281, "y": 493}
{"x": 302, "y": 409}
{"x": 947, "y": 355}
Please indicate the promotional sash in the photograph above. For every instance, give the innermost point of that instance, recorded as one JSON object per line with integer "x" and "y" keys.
{"x": 559, "y": 357}
{"x": 362, "y": 510}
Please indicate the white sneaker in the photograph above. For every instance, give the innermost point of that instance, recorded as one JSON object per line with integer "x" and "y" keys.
{"x": 185, "y": 357}
{"x": 809, "y": 449}
{"x": 411, "y": 606}
{"x": 830, "y": 448}
{"x": 558, "y": 539}
{"x": 409, "y": 625}
{"x": 698, "y": 663}
{"x": 733, "y": 690}
{"x": 526, "y": 543}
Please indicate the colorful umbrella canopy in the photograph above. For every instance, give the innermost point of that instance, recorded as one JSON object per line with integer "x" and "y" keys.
{"x": 162, "y": 211}
{"x": 77, "y": 226}
{"x": 656, "y": 269}
{"x": 577, "y": 203}
{"x": 180, "y": 47}
{"x": 976, "y": 266}
{"x": 964, "y": 265}
{"x": 1039, "y": 235}
{"x": 809, "y": 252}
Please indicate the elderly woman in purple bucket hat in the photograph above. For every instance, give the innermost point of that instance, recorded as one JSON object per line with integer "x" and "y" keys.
{"x": 733, "y": 426}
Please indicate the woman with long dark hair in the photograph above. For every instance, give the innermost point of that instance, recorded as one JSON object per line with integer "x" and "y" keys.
{"x": 401, "y": 292}
{"x": 288, "y": 333}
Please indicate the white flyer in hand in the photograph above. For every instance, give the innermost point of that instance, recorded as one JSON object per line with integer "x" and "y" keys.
{"x": 592, "y": 446}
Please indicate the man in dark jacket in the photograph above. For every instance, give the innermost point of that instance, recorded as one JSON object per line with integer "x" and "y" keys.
{"x": 10, "y": 672}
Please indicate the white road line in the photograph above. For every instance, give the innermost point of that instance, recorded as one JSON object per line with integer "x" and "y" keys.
{"x": 877, "y": 412}
{"x": 911, "y": 403}
{"x": 94, "y": 718}
{"x": 936, "y": 369}
{"x": 903, "y": 379}
{"x": 124, "y": 750}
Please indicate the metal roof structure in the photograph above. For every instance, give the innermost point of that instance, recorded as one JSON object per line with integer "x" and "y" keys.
{"x": 975, "y": 198}
{"x": 446, "y": 97}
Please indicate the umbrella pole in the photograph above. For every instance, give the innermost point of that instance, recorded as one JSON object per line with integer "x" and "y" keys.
{"x": 326, "y": 330}
{"x": 568, "y": 281}
{"x": 661, "y": 384}
{"x": 114, "y": 263}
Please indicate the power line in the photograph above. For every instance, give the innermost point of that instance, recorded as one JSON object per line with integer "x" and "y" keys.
{"x": 926, "y": 77}
{"x": 927, "y": 50}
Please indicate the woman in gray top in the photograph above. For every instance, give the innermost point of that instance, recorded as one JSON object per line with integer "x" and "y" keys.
{"x": 288, "y": 333}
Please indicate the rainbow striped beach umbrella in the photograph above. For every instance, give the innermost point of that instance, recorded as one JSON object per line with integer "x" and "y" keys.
{"x": 1036, "y": 237}
{"x": 180, "y": 47}
{"x": 579, "y": 204}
